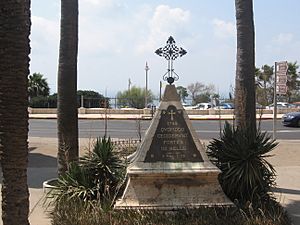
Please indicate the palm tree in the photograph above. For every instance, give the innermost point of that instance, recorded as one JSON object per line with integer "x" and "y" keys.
{"x": 14, "y": 68}
{"x": 264, "y": 78}
{"x": 293, "y": 83}
{"x": 245, "y": 114}
{"x": 67, "y": 115}
{"x": 37, "y": 85}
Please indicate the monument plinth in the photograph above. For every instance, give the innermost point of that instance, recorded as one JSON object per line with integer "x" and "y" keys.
{"x": 170, "y": 169}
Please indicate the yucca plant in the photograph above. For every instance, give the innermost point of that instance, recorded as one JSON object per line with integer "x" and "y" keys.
{"x": 246, "y": 175}
{"x": 107, "y": 168}
{"x": 76, "y": 185}
{"x": 95, "y": 179}
{"x": 103, "y": 161}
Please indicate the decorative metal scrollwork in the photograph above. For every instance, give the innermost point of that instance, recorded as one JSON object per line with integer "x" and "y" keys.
{"x": 170, "y": 52}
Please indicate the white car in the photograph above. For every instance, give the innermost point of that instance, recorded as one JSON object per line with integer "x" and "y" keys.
{"x": 187, "y": 106}
{"x": 280, "y": 105}
{"x": 203, "y": 105}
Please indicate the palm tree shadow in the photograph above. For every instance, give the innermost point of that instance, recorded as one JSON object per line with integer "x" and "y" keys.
{"x": 31, "y": 149}
{"x": 40, "y": 168}
{"x": 38, "y": 160}
{"x": 293, "y": 209}
{"x": 287, "y": 191}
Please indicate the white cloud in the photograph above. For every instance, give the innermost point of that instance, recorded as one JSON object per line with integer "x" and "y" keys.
{"x": 165, "y": 21}
{"x": 44, "y": 31}
{"x": 100, "y": 6}
{"x": 223, "y": 29}
{"x": 100, "y": 3}
{"x": 284, "y": 38}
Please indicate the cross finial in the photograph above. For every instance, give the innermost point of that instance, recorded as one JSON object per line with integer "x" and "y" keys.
{"x": 170, "y": 52}
{"x": 172, "y": 114}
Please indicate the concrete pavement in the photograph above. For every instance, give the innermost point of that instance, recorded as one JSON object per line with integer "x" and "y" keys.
{"x": 42, "y": 166}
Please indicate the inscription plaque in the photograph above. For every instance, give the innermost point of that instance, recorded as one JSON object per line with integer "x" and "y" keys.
{"x": 172, "y": 141}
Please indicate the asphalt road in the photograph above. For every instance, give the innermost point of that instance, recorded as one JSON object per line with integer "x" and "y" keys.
{"x": 206, "y": 129}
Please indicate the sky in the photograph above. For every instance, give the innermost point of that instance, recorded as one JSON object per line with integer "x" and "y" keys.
{"x": 118, "y": 37}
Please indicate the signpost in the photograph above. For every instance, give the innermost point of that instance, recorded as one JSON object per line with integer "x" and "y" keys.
{"x": 280, "y": 87}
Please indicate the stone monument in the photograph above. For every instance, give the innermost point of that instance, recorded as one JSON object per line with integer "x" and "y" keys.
{"x": 170, "y": 169}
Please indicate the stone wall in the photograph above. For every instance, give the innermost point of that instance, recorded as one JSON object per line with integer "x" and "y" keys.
{"x": 148, "y": 111}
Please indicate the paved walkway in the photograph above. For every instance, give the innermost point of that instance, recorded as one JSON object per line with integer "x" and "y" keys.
{"x": 42, "y": 166}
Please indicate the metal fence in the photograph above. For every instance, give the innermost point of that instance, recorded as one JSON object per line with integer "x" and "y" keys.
{"x": 126, "y": 146}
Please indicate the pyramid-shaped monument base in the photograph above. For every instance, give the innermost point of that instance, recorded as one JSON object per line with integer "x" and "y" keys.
{"x": 170, "y": 169}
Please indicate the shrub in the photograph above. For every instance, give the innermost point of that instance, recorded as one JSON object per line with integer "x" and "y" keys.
{"x": 95, "y": 180}
{"x": 43, "y": 101}
{"x": 245, "y": 173}
{"x": 270, "y": 212}
{"x": 93, "y": 216}
{"x": 76, "y": 185}
{"x": 80, "y": 215}
{"x": 83, "y": 195}
{"x": 106, "y": 168}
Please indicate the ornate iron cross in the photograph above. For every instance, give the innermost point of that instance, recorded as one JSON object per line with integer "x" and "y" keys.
{"x": 170, "y": 52}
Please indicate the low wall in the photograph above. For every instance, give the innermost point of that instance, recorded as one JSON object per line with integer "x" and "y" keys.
{"x": 148, "y": 111}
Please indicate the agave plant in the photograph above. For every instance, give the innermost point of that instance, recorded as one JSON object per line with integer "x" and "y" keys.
{"x": 246, "y": 175}
{"x": 104, "y": 163}
{"x": 76, "y": 185}
{"x": 107, "y": 169}
{"x": 95, "y": 179}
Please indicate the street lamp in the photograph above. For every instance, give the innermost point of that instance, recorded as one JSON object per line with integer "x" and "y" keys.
{"x": 146, "y": 88}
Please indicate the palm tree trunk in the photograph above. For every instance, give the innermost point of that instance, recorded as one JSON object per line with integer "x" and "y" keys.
{"x": 245, "y": 66}
{"x": 67, "y": 115}
{"x": 14, "y": 69}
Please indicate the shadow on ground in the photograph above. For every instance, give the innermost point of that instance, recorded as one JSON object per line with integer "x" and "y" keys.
{"x": 41, "y": 160}
{"x": 293, "y": 206}
{"x": 293, "y": 209}
{"x": 31, "y": 148}
{"x": 40, "y": 168}
{"x": 287, "y": 191}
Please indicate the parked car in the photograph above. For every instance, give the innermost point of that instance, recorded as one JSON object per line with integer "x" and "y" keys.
{"x": 187, "y": 106}
{"x": 259, "y": 106}
{"x": 203, "y": 106}
{"x": 291, "y": 119}
{"x": 280, "y": 105}
{"x": 296, "y": 104}
{"x": 225, "y": 105}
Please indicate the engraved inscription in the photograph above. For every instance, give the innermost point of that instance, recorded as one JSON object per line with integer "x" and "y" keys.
{"x": 172, "y": 141}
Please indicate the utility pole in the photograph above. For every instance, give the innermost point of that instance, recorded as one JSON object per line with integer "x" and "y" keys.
{"x": 105, "y": 118}
{"x": 129, "y": 84}
{"x": 81, "y": 104}
{"x": 146, "y": 88}
{"x": 160, "y": 87}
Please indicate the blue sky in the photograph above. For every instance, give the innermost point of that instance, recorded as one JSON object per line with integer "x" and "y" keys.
{"x": 117, "y": 37}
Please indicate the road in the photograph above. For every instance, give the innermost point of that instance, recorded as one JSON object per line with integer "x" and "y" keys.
{"x": 206, "y": 129}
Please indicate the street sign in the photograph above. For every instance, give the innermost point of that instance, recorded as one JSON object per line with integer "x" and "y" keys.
{"x": 281, "y": 89}
{"x": 281, "y": 80}
{"x": 281, "y": 77}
